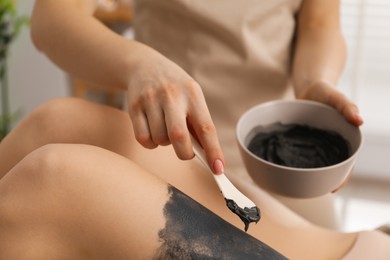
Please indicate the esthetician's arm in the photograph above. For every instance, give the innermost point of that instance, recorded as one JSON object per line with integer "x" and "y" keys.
{"x": 162, "y": 97}
{"x": 320, "y": 55}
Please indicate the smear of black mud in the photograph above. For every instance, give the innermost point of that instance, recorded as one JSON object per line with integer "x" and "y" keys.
{"x": 193, "y": 232}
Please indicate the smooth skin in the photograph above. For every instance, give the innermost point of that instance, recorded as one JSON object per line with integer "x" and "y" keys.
{"x": 74, "y": 186}
{"x": 79, "y": 202}
{"x": 165, "y": 103}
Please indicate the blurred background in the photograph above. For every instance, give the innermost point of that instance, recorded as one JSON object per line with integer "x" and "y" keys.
{"x": 365, "y": 202}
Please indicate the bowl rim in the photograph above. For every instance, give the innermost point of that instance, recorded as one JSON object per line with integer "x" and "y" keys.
{"x": 295, "y": 169}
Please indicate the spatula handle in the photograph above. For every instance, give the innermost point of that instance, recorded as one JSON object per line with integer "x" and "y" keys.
{"x": 199, "y": 152}
{"x": 221, "y": 179}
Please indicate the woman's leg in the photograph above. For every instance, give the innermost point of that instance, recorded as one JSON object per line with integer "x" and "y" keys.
{"x": 78, "y": 121}
{"x": 71, "y": 120}
{"x": 66, "y": 201}
{"x": 67, "y": 120}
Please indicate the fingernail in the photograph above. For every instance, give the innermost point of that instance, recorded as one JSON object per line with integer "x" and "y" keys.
{"x": 358, "y": 117}
{"x": 218, "y": 167}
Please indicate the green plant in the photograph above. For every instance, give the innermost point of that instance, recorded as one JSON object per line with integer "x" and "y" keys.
{"x": 10, "y": 26}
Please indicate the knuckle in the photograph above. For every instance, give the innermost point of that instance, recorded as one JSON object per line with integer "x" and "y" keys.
{"x": 149, "y": 95}
{"x": 186, "y": 155}
{"x": 177, "y": 135}
{"x": 145, "y": 140}
{"x": 162, "y": 140}
{"x": 135, "y": 106}
{"x": 169, "y": 92}
{"x": 344, "y": 108}
{"x": 206, "y": 129}
{"x": 194, "y": 89}
{"x": 354, "y": 106}
{"x": 192, "y": 84}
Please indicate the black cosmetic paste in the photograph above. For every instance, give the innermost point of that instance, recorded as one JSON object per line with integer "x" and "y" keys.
{"x": 247, "y": 215}
{"x": 193, "y": 232}
{"x": 299, "y": 146}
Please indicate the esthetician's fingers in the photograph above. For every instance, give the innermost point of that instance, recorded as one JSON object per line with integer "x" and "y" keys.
{"x": 162, "y": 98}
{"x": 324, "y": 93}
{"x": 178, "y": 132}
{"x": 202, "y": 127}
{"x": 141, "y": 128}
{"x": 156, "y": 122}
{"x": 346, "y": 107}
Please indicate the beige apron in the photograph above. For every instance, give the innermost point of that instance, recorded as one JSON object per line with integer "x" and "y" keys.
{"x": 237, "y": 50}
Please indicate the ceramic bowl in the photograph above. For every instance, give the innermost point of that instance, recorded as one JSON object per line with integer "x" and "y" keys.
{"x": 291, "y": 181}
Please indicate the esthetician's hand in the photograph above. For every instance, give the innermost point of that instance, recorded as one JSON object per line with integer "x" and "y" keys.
{"x": 164, "y": 103}
{"x": 328, "y": 94}
{"x": 325, "y": 93}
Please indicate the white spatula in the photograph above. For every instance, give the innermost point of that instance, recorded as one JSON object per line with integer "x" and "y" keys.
{"x": 237, "y": 202}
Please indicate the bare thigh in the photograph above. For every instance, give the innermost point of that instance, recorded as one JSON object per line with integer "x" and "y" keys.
{"x": 67, "y": 201}
{"x": 79, "y": 200}
{"x": 76, "y": 121}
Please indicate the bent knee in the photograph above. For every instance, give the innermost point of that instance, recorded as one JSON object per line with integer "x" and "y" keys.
{"x": 32, "y": 193}
{"x": 73, "y": 120}
{"x": 45, "y": 169}
{"x": 34, "y": 171}
{"x": 57, "y": 113}
{"x": 28, "y": 204}
{"x": 53, "y": 120}
{"x": 63, "y": 109}
{"x": 23, "y": 186}
{"x": 37, "y": 200}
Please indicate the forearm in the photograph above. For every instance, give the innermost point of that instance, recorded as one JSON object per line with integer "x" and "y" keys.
{"x": 71, "y": 37}
{"x": 320, "y": 53}
{"x": 163, "y": 99}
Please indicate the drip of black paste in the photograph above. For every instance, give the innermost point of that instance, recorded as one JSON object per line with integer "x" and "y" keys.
{"x": 247, "y": 215}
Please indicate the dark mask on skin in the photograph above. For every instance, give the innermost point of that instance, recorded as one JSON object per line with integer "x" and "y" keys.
{"x": 193, "y": 232}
